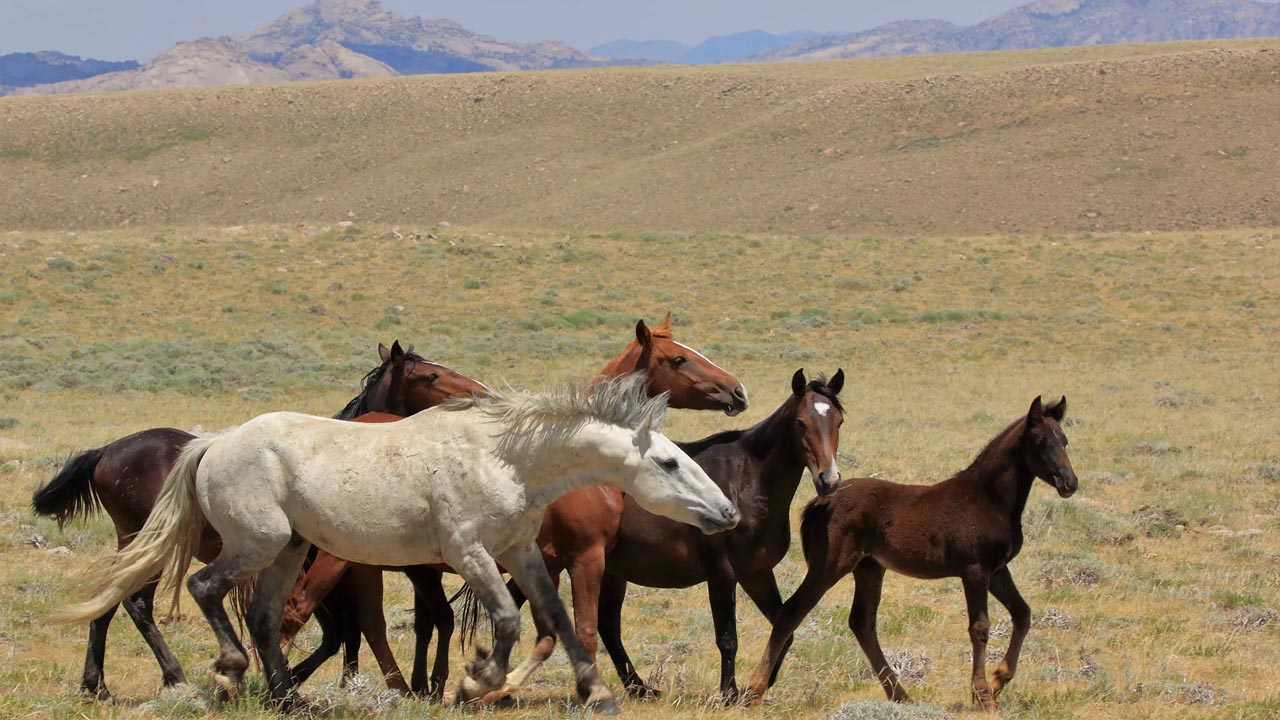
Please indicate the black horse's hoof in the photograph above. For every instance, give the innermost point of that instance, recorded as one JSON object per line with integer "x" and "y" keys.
{"x": 644, "y": 692}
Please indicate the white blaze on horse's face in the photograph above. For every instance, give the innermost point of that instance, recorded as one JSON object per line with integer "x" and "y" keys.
{"x": 669, "y": 483}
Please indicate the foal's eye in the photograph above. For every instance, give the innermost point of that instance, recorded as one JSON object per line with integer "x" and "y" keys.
{"x": 670, "y": 465}
{"x": 679, "y": 360}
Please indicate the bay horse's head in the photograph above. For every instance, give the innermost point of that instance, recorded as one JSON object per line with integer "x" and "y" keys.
{"x": 691, "y": 381}
{"x": 407, "y": 383}
{"x": 818, "y": 418}
{"x": 1044, "y": 446}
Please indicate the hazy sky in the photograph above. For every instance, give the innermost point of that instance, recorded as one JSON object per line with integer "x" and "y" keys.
{"x": 139, "y": 29}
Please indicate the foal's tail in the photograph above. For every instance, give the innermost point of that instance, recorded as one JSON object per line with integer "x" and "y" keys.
{"x": 813, "y": 531}
{"x": 70, "y": 494}
{"x": 164, "y": 546}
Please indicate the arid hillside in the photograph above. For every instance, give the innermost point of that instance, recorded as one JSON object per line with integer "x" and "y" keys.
{"x": 1133, "y": 138}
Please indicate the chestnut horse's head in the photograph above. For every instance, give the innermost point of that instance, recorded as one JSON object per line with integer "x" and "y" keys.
{"x": 691, "y": 380}
{"x": 818, "y": 418}
{"x": 1045, "y": 446}
{"x": 406, "y": 383}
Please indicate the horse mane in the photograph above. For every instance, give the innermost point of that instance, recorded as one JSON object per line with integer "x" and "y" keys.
{"x": 998, "y": 442}
{"x": 623, "y": 401}
{"x": 359, "y": 404}
{"x": 819, "y": 385}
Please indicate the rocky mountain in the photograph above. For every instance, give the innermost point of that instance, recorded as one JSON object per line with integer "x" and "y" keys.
{"x": 26, "y": 69}
{"x": 330, "y": 39}
{"x": 1051, "y": 23}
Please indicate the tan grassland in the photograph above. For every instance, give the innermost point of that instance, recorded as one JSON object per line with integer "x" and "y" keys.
{"x": 1155, "y": 590}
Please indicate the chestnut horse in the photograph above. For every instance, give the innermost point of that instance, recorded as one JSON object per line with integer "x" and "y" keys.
{"x": 969, "y": 526}
{"x": 124, "y": 479}
{"x": 759, "y": 469}
{"x": 580, "y": 526}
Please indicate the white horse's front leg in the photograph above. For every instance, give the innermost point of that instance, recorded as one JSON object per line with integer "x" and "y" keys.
{"x": 487, "y": 672}
{"x": 530, "y": 573}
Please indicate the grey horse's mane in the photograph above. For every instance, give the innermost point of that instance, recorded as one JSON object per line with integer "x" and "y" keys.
{"x": 622, "y": 401}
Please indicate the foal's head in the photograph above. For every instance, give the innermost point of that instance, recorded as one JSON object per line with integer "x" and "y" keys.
{"x": 406, "y": 383}
{"x": 819, "y": 416}
{"x": 1044, "y": 446}
{"x": 691, "y": 381}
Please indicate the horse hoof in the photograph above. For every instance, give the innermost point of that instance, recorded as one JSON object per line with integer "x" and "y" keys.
{"x": 227, "y": 687}
{"x": 605, "y": 706}
{"x": 100, "y": 695}
{"x": 644, "y": 692}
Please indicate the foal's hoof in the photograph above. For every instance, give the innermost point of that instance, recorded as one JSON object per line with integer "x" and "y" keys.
{"x": 985, "y": 699}
{"x": 604, "y": 706}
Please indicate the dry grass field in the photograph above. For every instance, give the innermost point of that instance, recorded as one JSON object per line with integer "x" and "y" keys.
{"x": 1155, "y": 590}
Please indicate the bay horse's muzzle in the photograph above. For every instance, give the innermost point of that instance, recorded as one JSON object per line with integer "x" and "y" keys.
{"x": 827, "y": 482}
{"x": 1066, "y": 483}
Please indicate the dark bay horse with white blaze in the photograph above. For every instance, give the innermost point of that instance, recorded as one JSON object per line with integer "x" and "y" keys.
{"x": 969, "y": 526}
{"x": 760, "y": 469}
{"x": 124, "y": 479}
{"x": 580, "y": 526}
{"x": 464, "y": 484}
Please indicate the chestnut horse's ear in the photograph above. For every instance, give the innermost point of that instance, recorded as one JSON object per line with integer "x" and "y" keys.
{"x": 798, "y": 383}
{"x": 1058, "y": 410}
{"x": 1036, "y": 413}
{"x": 384, "y": 352}
{"x": 643, "y": 336}
{"x": 666, "y": 322}
{"x": 836, "y": 383}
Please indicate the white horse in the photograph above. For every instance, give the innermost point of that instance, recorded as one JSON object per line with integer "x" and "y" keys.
{"x": 464, "y": 485}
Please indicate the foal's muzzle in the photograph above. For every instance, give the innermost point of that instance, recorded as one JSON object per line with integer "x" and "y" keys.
{"x": 1066, "y": 483}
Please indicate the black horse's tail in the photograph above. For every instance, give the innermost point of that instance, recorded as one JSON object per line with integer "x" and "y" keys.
{"x": 70, "y": 494}
{"x": 813, "y": 531}
{"x": 471, "y": 614}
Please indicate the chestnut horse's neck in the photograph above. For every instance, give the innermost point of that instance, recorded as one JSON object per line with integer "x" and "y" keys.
{"x": 1000, "y": 472}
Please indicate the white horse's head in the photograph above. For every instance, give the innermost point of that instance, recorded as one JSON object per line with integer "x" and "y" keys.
{"x": 669, "y": 483}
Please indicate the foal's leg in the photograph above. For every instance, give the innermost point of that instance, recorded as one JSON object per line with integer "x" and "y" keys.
{"x": 815, "y": 584}
{"x": 93, "y": 682}
{"x": 269, "y": 594}
{"x": 868, "y": 578}
{"x": 488, "y": 671}
{"x": 975, "y": 595}
{"x": 613, "y": 592}
{"x": 140, "y": 607}
{"x": 1007, "y": 593}
{"x": 723, "y": 593}
{"x": 526, "y": 568}
{"x": 762, "y": 588}
{"x": 430, "y": 608}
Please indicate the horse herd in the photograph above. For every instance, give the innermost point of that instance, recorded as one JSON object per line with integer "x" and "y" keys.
{"x": 299, "y": 516}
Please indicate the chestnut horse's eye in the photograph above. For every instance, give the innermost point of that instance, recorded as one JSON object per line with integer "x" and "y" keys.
{"x": 680, "y": 360}
{"x": 433, "y": 377}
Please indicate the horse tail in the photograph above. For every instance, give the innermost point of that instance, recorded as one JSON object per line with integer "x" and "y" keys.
{"x": 813, "y": 531}
{"x": 70, "y": 495}
{"x": 469, "y": 611}
{"x": 164, "y": 546}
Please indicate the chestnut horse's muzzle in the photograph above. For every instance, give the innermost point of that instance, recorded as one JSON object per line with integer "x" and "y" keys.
{"x": 734, "y": 402}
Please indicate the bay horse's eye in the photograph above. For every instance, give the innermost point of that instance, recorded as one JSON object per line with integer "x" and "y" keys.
{"x": 433, "y": 377}
{"x": 679, "y": 360}
{"x": 670, "y": 465}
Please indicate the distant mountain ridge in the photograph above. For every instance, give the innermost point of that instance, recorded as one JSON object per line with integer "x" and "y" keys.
{"x": 719, "y": 49}
{"x": 325, "y": 40}
{"x": 1050, "y": 23}
{"x": 37, "y": 68}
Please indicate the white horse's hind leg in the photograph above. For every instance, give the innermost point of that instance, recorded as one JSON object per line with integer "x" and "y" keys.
{"x": 487, "y": 672}
{"x": 530, "y": 573}
{"x": 269, "y": 595}
{"x": 242, "y": 556}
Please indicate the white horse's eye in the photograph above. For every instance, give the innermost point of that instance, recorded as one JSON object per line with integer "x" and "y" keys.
{"x": 670, "y": 465}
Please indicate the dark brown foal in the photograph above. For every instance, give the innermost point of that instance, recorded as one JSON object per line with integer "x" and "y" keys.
{"x": 969, "y": 526}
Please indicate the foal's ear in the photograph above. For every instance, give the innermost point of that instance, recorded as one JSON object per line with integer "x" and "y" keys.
{"x": 384, "y": 352}
{"x": 836, "y": 383}
{"x": 1036, "y": 413}
{"x": 397, "y": 352}
{"x": 643, "y": 336}
{"x": 797, "y": 383}
{"x": 1058, "y": 410}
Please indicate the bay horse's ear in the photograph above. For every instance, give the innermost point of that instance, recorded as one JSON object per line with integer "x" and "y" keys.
{"x": 666, "y": 322}
{"x": 397, "y": 352}
{"x": 1036, "y": 413}
{"x": 384, "y": 352}
{"x": 836, "y": 383}
{"x": 1058, "y": 410}
{"x": 643, "y": 336}
{"x": 797, "y": 383}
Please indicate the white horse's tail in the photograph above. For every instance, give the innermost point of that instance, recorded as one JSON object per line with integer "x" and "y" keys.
{"x": 164, "y": 546}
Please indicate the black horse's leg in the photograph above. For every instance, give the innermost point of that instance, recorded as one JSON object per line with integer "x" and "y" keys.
{"x": 976, "y": 585}
{"x": 722, "y": 592}
{"x": 1006, "y": 592}
{"x": 141, "y": 608}
{"x": 94, "y": 682}
{"x": 762, "y": 588}
{"x": 793, "y": 612}
{"x": 613, "y": 592}
{"x": 330, "y": 642}
{"x": 868, "y": 580}
{"x": 431, "y": 610}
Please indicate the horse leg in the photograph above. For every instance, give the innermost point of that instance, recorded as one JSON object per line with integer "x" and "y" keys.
{"x": 488, "y": 671}
{"x": 312, "y": 587}
{"x": 209, "y": 586}
{"x": 141, "y": 606}
{"x": 723, "y": 591}
{"x": 543, "y": 646}
{"x": 793, "y": 612}
{"x": 613, "y": 593}
{"x": 431, "y": 610}
{"x": 976, "y": 585}
{"x": 528, "y": 570}
{"x": 330, "y": 641}
{"x": 93, "y": 682}
{"x": 366, "y": 583}
{"x": 349, "y": 632}
{"x": 762, "y": 588}
{"x": 1006, "y": 592}
{"x": 868, "y": 580}
{"x": 272, "y": 588}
